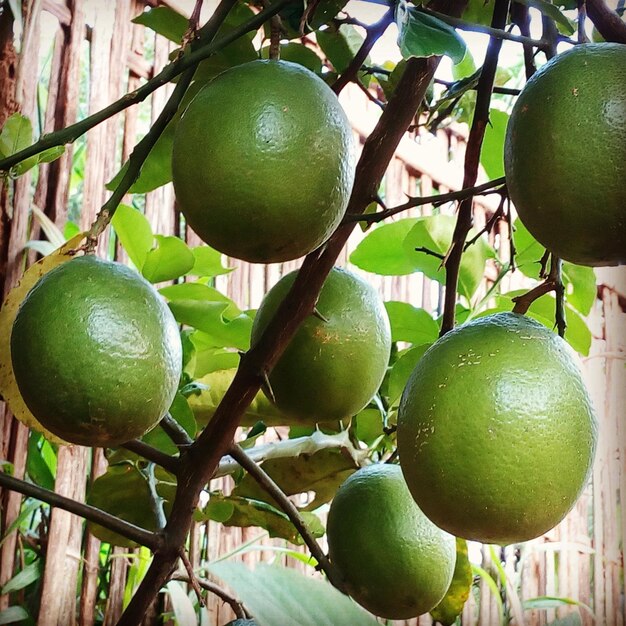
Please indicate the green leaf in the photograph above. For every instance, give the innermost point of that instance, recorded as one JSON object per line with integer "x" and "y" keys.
{"x": 401, "y": 371}
{"x": 13, "y": 614}
{"x": 453, "y": 602}
{"x": 156, "y": 170}
{"x": 171, "y": 259}
{"x": 249, "y": 512}
{"x": 297, "y": 53}
{"x": 198, "y": 291}
{"x": 580, "y": 287}
{"x": 369, "y": 425}
{"x": 340, "y": 45}
{"x": 493, "y": 587}
{"x": 184, "y": 611}
{"x": 51, "y": 154}
{"x": 22, "y": 579}
{"x": 381, "y": 251}
{"x": 434, "y": 233}
{"x": 208, "y": 262}
{"x": 479, "y": 12}
{"x": 528, "y": 251}
{"x": 212, "y": 318}
{"x": 277, "y": 595}
{"x": 36, "y": 466}
{"x": 183, "y": 414}
{"x": 549, "y": 602}
{"x": 423, "y": 35}
{"x": 492, "y": 151}
{"x": 134, "y": 232}
{"x": 16, "y": 134}
{"x": 164, "y": 21}
{"x": 550, "y": 10}
{"x": 411, "y": 324}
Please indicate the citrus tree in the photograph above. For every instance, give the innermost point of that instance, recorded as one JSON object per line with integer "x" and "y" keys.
{"x": 396, "y": 400}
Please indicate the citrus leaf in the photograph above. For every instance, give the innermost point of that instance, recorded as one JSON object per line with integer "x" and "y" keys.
{"x": 381, "y": 252}
{"x": 8, "y": 386}
{"x": 297, "y": 53}
{"x": 181, "y": 412}
{"x": 402, "y": 369}
{"x": 528, "y": 250}
{"x": 340, "y": 45}
{"x": 492, "y": 151}
{"x": 411, "y": 324}
{"x": 423, "y": 35}
{"x": 277, "y": 595}
{"x": 213, "y": 319}
{"x": 434, "y": 233}
{"x": 199, "y": 291}
{"x": 552, "y": 11}
{"x": 134, "y": 232}
{"x": 16, "y": 134}
{"x": 171, "y": 259}
{"x": 23, "y": 578}
{"x": 208, "y": 262}
{"x": 580, "y": 287}
{"x": 36, "y": 467}
{"x": 453, "y": 602}
{"x": 164, "y": 21}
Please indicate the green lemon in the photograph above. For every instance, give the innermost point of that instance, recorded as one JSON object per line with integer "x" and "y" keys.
{"x": 395, "y": 561}
{"x": 496, "y": 432}
{"x": 96, "y": 353}
{"x": 332, "y": 367}
{"x": 262, "y": 162}
{"x": 565, "y": 155}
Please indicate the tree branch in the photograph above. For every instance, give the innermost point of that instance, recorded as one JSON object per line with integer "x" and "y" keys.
{"x": 175, "y": 431}
{"x": 267, "y": 483}
{"x": 437, "y": 200}
{"x": 150, "y": 453}
{"x": 480, "y": 120}
{"x": 374, "y": 33}
{"x": 607, "y": 21}
{"x": 214, "y": 588}
{"x": 169, "y": 72}
{"x": 135, "y": 533}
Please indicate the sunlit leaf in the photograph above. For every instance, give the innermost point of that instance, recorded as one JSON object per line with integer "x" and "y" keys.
{"x": 492, "y": 151}
{"x": 402, "y": 369}
{"x": 184, "y": 611}
{"x": 164, "y": 21}
{"x": 408, "y": 323}
{"x": 134, "y": 233}
{"x": 171, "y": 259}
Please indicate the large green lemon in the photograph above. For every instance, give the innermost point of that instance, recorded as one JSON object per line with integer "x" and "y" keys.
{"x": 496, "y": 432}
{"x": 332, "y": 367}
{"x": 565, "y": 155}
{"x": 395, "y": 561}
{"x": 262, "y": 162}
{"x": 96, "y": 353}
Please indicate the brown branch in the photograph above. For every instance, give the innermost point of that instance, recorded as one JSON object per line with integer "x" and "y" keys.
{"x": 126, "y": 529}
{"x": 215, "y": 589}
{"x": 175, "y": 431}
{"x": 202, "y": 458}
{"x": 497, "y": 215}
{"x": 267, "y": 483}
{"x": 193, "y": 579}
{"x": 150, "y": 453}
{"x": 520, "y": 16}
{"x": 607, "y": 21}
{"x": 480, "y": 120}
{"x": 374, "y": 33}
{"x": 437, "y": 200}
{"x": 523, "y": 301}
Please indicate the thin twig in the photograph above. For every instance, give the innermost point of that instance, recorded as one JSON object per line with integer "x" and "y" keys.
{"x": 175, "y": 431}
{"x": 156, "y": 501}
{"x": 480, "y": 120}
{"x": 520, "y": 16}
{"x": 374, "y": 32}
{"x": 505, "y": 91}
{"x": 192, "y": 29}
{"x": 268, "y": 484}
{"x": 169, "y": 72}
{"x": 152, "y": 454}
{"x": 193, "y": 579}
{"x": 130, "y": 531}
{"x": 497, "y": 215}
{"x": 430, "y": 252}
{"x": 214, "y": 588}
{"x": 437, "y": 200}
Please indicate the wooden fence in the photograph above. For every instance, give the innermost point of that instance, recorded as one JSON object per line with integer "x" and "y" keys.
{"x": 75, "y": 56}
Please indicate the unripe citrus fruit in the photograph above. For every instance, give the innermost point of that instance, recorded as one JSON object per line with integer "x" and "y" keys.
{"x": 332, "y": 367}
{"x": 496, "y": 432}
{"x": 262, "y": 162}
{"x": 565, "y": 155}
{"x": 96, "y": 353}
{"x": 395, "y": 561}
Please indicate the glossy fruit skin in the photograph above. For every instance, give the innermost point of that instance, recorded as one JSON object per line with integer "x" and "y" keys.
{"x": 96, "y": 352}
{"x": 496, "y": 432}
{"x": 395, "y": 561}
{"x": 262, "y": 162}
{"x": 331, "y": 369}
{"x": 565, "y": 155}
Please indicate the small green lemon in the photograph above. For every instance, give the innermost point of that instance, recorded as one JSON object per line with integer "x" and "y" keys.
{"x": 496, "y": 432}
{"x": 262, "y": 162}
{"x": 395, "y": 561}
{"x": 332, "y": 367}
{"x": 96, "y": 352}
